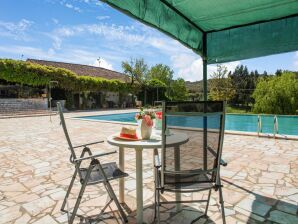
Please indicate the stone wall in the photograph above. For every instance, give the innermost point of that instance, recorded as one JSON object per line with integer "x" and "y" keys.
{"x": 13, "y": 105}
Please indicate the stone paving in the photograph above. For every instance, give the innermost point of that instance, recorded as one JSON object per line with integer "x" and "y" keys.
{"x": 260, "y": 181}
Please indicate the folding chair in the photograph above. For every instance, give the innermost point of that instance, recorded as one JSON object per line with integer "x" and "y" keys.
{"x": 95, "y": 173}
{"x": 195, "y": 166}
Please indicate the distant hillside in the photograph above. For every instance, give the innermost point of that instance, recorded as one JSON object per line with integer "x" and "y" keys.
{"x": 195, "y": 87}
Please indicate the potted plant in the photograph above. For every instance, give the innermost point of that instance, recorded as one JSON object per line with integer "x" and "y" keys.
{"x": 145, "y": 121}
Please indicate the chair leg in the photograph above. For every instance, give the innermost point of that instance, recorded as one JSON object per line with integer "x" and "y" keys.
{"x": 114, "y": 198}
{"x": 206, "y": 209}
{"x": 158, "y": 206}
{"x": 105, "y": 207}
{"x": 222, "y": 206}
{"x": 208, "y": 200}
{"x": 155, "y": 203}
{"x": 110, "y": 190}
{"x": 68, "y": 191}
{"x": 75, "y": 209}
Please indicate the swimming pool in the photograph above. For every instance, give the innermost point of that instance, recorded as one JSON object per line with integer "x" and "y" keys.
{"x": 287, "y": 125}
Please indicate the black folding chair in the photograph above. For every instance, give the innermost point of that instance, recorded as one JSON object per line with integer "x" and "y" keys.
{"x": 95, "y": 173}
{"x": 194, "y": 166}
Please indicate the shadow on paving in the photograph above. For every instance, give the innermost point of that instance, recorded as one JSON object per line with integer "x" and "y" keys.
{"x": 262, "y": 209}
{"x": 168, "y": 215}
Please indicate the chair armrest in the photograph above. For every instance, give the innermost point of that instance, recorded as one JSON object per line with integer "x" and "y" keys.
{"x": 157, "y": 162}
{"x": 91, "y": 143}
{"x": 94, "y": 156}
{"x": 223, "y": 163}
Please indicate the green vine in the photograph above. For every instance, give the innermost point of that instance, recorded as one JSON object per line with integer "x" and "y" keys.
{"x": 39, "y": 75}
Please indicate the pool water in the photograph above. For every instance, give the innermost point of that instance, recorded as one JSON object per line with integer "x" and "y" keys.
{"x": 287, "y": 125}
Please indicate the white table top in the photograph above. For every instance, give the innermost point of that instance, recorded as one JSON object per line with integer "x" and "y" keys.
{"x": 174, "y": 139}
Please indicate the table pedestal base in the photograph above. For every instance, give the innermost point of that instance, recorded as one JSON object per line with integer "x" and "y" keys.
{"x": 139, "y": 184}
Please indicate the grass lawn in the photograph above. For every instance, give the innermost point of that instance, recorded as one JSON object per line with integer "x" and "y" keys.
{"x": 237, "y": 110}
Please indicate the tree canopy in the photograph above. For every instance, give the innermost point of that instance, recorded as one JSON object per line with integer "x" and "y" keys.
{"x": 277, "y": 94}
{"x": 244, "y": 83}
{"x": 178, "y": 90}
{"x": 161, "y": 72}
{"x": 136, "y": 69}
{"x": 156, "y": 82}
{"x": 221, "y": 87}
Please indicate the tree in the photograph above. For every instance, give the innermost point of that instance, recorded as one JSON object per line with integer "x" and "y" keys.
{"x": 244, "y": 83}
{"x": 277, "y": 94}
{"x": 278, "y": 72}
{"x": 178, "y": 90}
{"x": 239, "y": 80}
{"x": 137, "y": 70}
{"x": 220, "y": 85}
{"x": 162, "y": 73}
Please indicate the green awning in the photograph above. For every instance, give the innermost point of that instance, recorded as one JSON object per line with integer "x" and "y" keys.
{"x": 221, "y": 30}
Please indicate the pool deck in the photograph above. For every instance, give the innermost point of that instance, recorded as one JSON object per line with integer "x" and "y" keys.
{"x": 260, "y": 181}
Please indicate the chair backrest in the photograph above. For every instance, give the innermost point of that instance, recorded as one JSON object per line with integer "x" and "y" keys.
{"x": 73, "y": 155}
{"x": 203, "y": 122}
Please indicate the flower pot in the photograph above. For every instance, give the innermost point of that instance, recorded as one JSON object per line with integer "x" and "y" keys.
{"x": 145, "y": 130}
{"x": 139, "y": 121}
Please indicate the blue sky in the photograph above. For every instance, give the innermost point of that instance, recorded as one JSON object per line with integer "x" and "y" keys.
{"x": 81, "y": 31}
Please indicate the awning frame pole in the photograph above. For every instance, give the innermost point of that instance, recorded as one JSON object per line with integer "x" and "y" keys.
{"x": 205, "y": 88}
{"x": 204, "y": 57}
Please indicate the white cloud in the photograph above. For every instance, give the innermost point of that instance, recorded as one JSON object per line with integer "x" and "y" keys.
{"x": 190, "y": 66}
{"x": 128, "y": 37}
{"x": 102, "y": 17}
{"x": 102, "y": 63}
{"x": 15, "y": 30}
{"x": 109, "y": 32}
{"x": 70, "y": 55}
{"x": 70, "y": 6}
{"x": 26, "y": 51}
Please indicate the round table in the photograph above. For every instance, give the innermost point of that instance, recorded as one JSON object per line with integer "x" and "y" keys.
{"x": 173, "y": 140}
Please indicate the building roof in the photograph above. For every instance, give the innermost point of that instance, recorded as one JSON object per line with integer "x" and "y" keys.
{"x": 84, "y": 70}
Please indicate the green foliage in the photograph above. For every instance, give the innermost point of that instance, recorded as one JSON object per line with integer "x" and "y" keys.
{"x": 155, "y": 83}
{"x": 277, "y": 95}
{"x": 161, "y": 72}
{"x": 38, "y": 75}
{"x": 244, "y": 82}
{"x": 236, "y": 110}
{"x": 178, "y": 90}
{"x": 69, "y": 103}
{"x": 136, "y": 69}
{"x": 220, "y": 85}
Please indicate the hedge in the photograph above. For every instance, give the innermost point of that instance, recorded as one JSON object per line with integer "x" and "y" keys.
{"x": 33, "y": 74}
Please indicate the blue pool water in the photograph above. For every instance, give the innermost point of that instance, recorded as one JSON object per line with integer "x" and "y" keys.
{"x": 287, "y": 125}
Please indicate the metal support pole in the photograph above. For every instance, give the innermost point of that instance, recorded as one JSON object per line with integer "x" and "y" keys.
{"x": 205, "y": 87}
{"x": 205, "y": 83}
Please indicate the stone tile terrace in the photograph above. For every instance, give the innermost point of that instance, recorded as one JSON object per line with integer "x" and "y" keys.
{"x": 260, "y": 181}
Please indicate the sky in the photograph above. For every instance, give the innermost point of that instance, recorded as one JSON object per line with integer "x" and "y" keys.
{"x": 92, "y": 33}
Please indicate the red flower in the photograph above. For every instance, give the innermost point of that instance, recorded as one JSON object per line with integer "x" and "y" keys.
{"x": 148, "y": 120}
{"x": 158, "y": 115}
